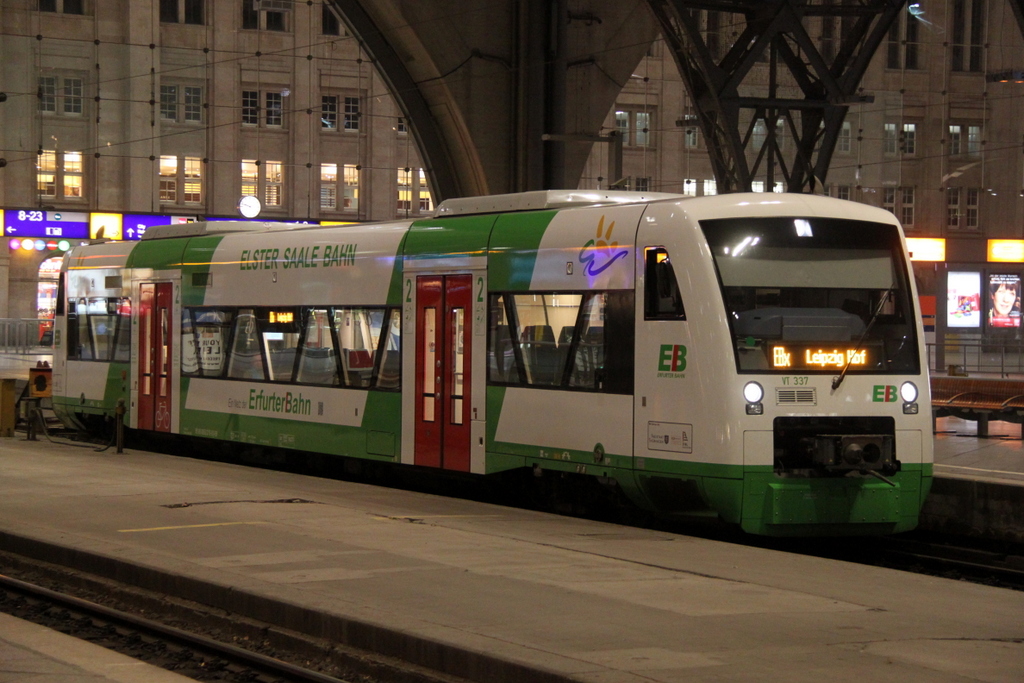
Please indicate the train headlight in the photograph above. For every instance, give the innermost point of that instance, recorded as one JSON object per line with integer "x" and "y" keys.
{"x": 753, "y": 393}
{"x": 908, "y": 392}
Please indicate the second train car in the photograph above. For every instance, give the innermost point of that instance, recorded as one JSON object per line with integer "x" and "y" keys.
{"x": 756, "y": 355}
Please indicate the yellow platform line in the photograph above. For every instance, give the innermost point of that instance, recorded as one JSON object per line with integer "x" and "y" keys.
{"x": 184, "y": 526}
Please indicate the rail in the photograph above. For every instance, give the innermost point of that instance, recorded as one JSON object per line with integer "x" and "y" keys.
{"x": 26, "y": 336}
{"x": 992, "y": 359}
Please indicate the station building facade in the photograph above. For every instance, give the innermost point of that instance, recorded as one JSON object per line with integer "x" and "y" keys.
{"x": 175, "y": 109}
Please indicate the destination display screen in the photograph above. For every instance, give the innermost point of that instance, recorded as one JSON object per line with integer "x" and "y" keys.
{"x": 817, "y": 357}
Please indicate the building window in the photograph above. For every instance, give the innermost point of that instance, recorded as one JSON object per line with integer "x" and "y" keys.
{"x": 48, "y": 94}
{"x": 329, "y": 24}
{"x": 907, "y": 207}
{"x": 962, "y": 208}
{"x": 250, "y": 178}
{"x": 710, "y": 187}
{"x": 900, "y": 201}
{"x": 351, "y": 188}
{"x": 957, "y": 132}
{"x": 60, "y": 174}
{"x": 181, "y": 11}
{"x": 63, "y": 6}
{"x": 973, "y": 141}
{"x": 181, "y": 103}
{"x": 404, "y": 190}
{"x": 890, "y": 143}
{"x": 73, "y": 95}
{"x": 426, "y": 202}
{"x": 968, "y": 35}
{"x": 250, "y": 107}
{"x": 690, "y": 187}
{"x": 268, "y": 20}
{"x": 275, "y": 109}
{"x": 955, "y": 140}
{"x": 400, "y": 126}
{"x": 62, "y": 94}
{"x": 329, "y": 187}
{"x": 352, "y": 114}
{"x": 844, "y": 142}
{"x": 329, "y": 112}
{"x": 169, "y": 179}
{"x": 973, "y": 196}
{"x": 691, "y": 130}
{"x": 908, "y": 141}
{"x": 193, "y": 172}
{"x": 642, "y": 184}
{"x": 181, "y": 180}
{"x": 635, "y": 127}
{"x": 841, "y": 192}
{"x": 46, "y": 174}
{"x": 269, "y": 185}
{"x": 274, "y": 183}
{"x": 903, "y": 45}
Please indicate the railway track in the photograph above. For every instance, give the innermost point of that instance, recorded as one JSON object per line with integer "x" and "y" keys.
{"x": 195, "y": 647}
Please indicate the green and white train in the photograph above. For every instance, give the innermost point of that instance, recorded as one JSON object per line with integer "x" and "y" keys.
{"x": 759, "y": 356}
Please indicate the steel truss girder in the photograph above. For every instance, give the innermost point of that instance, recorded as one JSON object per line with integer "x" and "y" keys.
{"x": 776, "y": 28}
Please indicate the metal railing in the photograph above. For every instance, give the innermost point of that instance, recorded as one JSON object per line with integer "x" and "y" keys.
{"x": 996, "y": 359}
{"x": 26, "y": 336}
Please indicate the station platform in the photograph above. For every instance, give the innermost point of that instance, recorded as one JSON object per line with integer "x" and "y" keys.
{"x": 29, "y": 652}
{"x": 497, "y": 594}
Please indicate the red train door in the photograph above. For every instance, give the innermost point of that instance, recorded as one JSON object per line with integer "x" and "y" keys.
{"x": 443, "y": 336}
{"x": 155, "y": 348}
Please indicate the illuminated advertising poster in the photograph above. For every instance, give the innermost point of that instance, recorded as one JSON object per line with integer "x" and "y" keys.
{"x": 105, "y": 226}
{"x": 136, "y": 224}
{"x": 39, "y": 223}
{"x": 963, "y": 300}
{"x": 1003, "y": 300}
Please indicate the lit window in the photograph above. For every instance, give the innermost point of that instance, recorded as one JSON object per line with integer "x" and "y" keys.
{"x": 193, "y": 180}
{"x": 46, "y": 174}
{"x": 426, "y": 203}
{"x": 274, "y": 177}
{"x": 250, "y": 177}
{"x": 404, "y": 190}
{"x": 169, "y": 179}
{"x": 329, "y": 186}
{"x": 73, "y": 174}
{"x": 351, "y": 188}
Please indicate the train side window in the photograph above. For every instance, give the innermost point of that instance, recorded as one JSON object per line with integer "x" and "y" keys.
{"x": 368, "y": 347}
{"x": 72, "y": 344}
{"x": 663, "y": 300}
{"x": 279, "y": 333}
{"x": 318, "y": 361}
{"x": 212, "y": 328}
{"x": 389, "y": 374}
{"x": 189, "y": 345}
{"x": 85, "y": 348}
{"x": 246, "y": 359}
{"x": 123, "y": 338}
{"x": 503, "y": 352}
{"x": 566, "y": 340}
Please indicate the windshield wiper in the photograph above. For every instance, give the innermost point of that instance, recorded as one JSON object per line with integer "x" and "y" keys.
{"x": 836, "y": 381}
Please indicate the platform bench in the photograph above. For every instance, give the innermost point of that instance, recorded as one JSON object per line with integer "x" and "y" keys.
{"x": 978, "y": 399}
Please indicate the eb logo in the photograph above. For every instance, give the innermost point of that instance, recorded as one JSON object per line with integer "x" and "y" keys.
{"x": 672, "y": 358}
{"x": 884, "y": 393}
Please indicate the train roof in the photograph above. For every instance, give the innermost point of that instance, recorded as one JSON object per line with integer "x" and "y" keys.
{"x": 545, "y": 199}
{"x": 200, "y": 228}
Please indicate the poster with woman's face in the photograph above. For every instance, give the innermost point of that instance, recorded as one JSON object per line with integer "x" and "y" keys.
{"x": 1003, "y": 300}
{"x": 963, "y": 300}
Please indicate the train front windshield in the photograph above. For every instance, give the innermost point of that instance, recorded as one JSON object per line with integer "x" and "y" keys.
{"x": 806, "y": 295}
